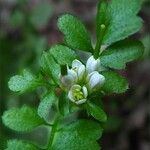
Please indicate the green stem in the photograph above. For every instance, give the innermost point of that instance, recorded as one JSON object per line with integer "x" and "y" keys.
{"x": 63, "y": 70}
{"x": 54, "y": 128}
{"x": 99, "y": 41}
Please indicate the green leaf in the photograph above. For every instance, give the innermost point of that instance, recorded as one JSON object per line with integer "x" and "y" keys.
{"x": 76, "y": 35}
{"x": 97, "y": 112}
{"x": 23, "y": 119}
{"x": 120, "y": 18}
{"x": 25, "y": 82}
{"x": 114, "y": 83}
{"x": 62, "y": 54}
{"x": 46, "y": 104}
{"x": 3, "y": 140}
{"x": 20, "y": 145}
{"x": 17, "y": 19}
{"x": 117, "y": 55}
{"x": 80, "y": 135}
{"x": 41, "y": 14}
{"x": 50, "y": 67}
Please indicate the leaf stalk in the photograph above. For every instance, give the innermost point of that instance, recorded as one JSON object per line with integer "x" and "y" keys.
{"x": 99, "y": 41}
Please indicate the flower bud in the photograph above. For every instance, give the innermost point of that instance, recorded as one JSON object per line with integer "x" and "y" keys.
{"x": 78, "y": 94}
{"x": 66, "y": 81}
{"x": 95, "y": 80}
{"x": 92, "y": 64}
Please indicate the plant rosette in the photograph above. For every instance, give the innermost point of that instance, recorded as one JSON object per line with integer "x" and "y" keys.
{"x": 81, "y": 83}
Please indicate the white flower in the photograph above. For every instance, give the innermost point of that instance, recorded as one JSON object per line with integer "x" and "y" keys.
{"x": 78, "y": 94}
{"x": 66, "y": 81}
{"x": 92, "y": 64}
{"x": 74, "y": 75}
{"x": 79, "y": 68}
{"x": 95, "y": 80}
{"x": 79, "y": 75}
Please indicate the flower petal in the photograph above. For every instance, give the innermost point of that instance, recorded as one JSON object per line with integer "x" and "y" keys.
{"x": 70, "y": 96}
{"x": 73, "y": 74}
{"x": 92, "y": 64}
{"x": 81, "y": 101}
{"x": 76, "y": 86}
{"x": 95, "y": 80}
{"x": 66, "y": 80}
{"x": 81, "y": 72}
{"x": 85, "y": 92}
{"x": 76, "y": 63}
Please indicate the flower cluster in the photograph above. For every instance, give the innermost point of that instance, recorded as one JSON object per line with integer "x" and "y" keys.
{"x": 82, "y": 80}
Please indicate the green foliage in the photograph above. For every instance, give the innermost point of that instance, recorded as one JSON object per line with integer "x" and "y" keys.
{"x": 46, "y": 104}
{"x": 62, "y": 54}
{"x": 116, "y": 20}
{"x": 79, "y": 135}
{"x": 21, "y": 119}
{"x": 76, "y": 35}
{"x": 20, "y": 145}
{"x": 50, "y": 67}
{"x": 146, "y": 43}
{"x": 117, "y": 55}
{"x": 17, "y": 19}
{"x": 3, "y": 140}
{"x": 25, "y": 82}
{"x": 97, "y": 112}
{"x": 120, "y": 18}
{"x": 63, "y": 104}
{"x": 114, "y": 83}
{"x": 41, "y": 14}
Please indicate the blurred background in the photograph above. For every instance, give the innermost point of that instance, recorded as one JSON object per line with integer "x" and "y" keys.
{"x": 28, "y": 27}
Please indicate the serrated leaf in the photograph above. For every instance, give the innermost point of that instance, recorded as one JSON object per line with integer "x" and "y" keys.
{"x": 41, "y": 14}
{"x": 120, "y": 18}
{"x": 25, "y": 82}
{"x": 21, "y": 119}
{"x": 50, "y": 67}
{"x": 117, "y": 55}
{"x": 76, "y": 35}
{"x": 97, "y": 112}
{"x": 80, "y": 135}
{"x": 62, "y": 54}
{"x": 45, "y": 105}
{"x": 20, "y": 145}
{"x": 114, "y": 83}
